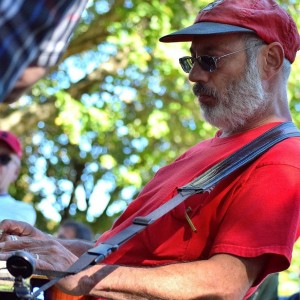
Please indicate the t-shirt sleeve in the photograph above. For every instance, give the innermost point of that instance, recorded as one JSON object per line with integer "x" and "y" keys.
{"x": 263, "y": 217}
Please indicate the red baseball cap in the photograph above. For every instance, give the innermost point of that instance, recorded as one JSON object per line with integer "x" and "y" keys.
{"x": 12, "y": 141}
{"x": 266, "y": 18}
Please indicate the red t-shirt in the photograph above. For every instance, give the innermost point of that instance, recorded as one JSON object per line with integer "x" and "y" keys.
{"x": 252, "y": 212}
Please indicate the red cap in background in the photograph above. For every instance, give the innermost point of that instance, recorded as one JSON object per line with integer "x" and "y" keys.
{"x": 12, "y": 141}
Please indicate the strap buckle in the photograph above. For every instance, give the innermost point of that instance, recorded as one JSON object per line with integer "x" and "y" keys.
{"x": 144, "y": 221}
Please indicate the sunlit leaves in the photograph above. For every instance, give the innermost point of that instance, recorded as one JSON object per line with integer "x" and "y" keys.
{"x": 158, "y": 126}
{"x": 107, "y": 161}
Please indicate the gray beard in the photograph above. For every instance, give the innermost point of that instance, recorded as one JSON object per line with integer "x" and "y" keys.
{"x": 241, "y": 101}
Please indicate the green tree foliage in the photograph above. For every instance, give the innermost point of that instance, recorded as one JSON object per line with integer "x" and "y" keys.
{"x": 116, "y": 109}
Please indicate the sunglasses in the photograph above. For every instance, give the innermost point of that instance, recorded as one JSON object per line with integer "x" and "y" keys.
{"x": 206, "y": 62}
{"x": 5, "y": 159}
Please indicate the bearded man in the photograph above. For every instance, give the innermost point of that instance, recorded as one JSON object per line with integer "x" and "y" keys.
{"x": 223, "y": 243}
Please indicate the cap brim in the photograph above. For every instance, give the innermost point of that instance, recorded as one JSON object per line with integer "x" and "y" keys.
{"x": 202, "y": 28}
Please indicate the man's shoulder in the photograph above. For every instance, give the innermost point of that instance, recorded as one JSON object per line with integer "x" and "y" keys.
{"x": 287, "y": 151}
{"x": 288, "y": 146}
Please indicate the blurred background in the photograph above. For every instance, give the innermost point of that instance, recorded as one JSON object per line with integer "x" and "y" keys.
{"x": 116, "y": 109}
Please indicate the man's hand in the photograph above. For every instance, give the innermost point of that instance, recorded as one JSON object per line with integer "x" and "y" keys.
{"x": 52, "y": 253}
{"x": 10, "y": 229}
{"x": 49, "y": 253}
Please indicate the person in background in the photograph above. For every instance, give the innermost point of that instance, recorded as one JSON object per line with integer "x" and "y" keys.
{"x": 70, "y": 229}
{"x": 33, "y": 36}
{"x": 10, "y": 163}
{"x": 223, "y": 243}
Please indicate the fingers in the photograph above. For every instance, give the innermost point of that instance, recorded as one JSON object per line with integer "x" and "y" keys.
{"x": 48, "y": 247}
{"x": 18, "y": 228}
{"x": 13, "y": 242}
{"x": 42, "y": 251}
{"x": 15, "y": 227}
{"x": 2, "y": 235}
{"x": 15, "y": 245}
{"x": 5, "y": 237}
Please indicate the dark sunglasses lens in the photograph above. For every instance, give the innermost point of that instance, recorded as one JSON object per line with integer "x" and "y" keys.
{"x": 4, "y": 159}
{"x": 186, "y": 63}
{"x": 207, "y": 63}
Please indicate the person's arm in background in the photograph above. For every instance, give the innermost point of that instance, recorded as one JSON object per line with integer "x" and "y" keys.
{"x": 29, "y": 50}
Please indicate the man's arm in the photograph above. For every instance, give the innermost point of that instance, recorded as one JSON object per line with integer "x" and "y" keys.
{"x": 77, "y": 247}
{"x": 221, "y": 277}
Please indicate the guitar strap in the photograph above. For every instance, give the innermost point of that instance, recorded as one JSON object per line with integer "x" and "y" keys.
{"x": 201, "y": 184}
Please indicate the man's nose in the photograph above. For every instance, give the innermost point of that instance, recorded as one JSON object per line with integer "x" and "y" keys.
{"x": 197, "y": 74}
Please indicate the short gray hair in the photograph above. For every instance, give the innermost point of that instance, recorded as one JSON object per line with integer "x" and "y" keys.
{"x": 250, "y": 41}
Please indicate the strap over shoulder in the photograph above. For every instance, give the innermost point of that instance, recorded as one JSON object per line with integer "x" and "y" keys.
{"x": 201, "y": 184}
{"x": 242, "y": 156}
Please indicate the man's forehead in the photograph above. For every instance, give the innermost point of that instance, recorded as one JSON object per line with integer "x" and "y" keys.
{"x": 220, "y": 41}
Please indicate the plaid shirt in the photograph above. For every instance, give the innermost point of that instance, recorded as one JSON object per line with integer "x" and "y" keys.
{"x": 34, "y": 32}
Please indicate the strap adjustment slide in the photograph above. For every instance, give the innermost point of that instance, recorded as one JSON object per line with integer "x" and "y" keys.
{"x": 142, "y": 221}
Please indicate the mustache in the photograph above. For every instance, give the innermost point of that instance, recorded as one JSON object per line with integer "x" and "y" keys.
{"x": 200, "y": 89}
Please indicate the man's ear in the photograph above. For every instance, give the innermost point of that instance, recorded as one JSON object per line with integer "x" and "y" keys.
{"x": 270, "y": 60}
